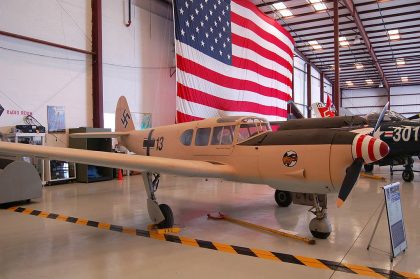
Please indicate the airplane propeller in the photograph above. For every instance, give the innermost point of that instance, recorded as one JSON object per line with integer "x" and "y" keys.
{"x": 380, "y": 118}
{"x": 352, "y": 174}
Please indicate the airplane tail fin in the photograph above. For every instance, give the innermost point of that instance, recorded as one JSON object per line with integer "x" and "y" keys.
{"x": 123, "y": 118}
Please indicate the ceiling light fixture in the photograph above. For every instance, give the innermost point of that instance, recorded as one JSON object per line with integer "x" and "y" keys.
{"x": 369, "y": 81}
{"x": 393, "y": 34}
{"x": 359, "y": 66}
{"x": 404, "y": 79}
{"x": 400, "y": 61}
{"x": 349, "y": 83}
{"x": 281, "y": 7}
{"x": 343, "y": 42}
{"x": 318, "y": 5}
{"x": 315, "y": 45}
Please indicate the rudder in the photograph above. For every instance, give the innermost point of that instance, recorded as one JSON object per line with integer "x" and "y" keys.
{"x": 123, "y": 117}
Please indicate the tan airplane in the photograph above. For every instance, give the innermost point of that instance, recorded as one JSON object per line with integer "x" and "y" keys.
{"x": 242, "y": 149}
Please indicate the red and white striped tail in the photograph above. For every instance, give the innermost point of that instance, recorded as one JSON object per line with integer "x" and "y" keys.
{"x": 368, "y": 148}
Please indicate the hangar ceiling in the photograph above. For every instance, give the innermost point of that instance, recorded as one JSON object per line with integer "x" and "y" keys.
{"x": 391, "y": 26}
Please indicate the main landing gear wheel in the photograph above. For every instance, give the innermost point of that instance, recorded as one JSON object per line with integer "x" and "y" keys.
{"x": 319, "y": 226}
{"x": 368, "y": 167}
{"x": 169, "y": 217}
{"x": 283, "y": 198}
{"x": 408, "y": 175}
{"x": 160, "y": 214}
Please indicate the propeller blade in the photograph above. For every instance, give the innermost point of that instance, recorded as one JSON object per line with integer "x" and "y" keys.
{"x": 381, "y": 117}
{"x": 352, "y": 174}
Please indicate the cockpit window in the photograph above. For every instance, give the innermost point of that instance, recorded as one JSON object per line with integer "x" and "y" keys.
{"x": 251, "y": 127}
{"x": 202, "y": 136}
{"x": 223, "y": 135}
{"x": 186, "y": 137}
{"x": 372, "y": 118}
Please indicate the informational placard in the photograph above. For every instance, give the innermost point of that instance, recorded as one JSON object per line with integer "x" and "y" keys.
{"x": 395, "y": 218}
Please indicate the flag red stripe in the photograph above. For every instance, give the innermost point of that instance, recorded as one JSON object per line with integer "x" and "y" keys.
{"x": 249, "y": 5}
{"x": 247, "y": 64}
{"x": 182, "y": 117}
{"x": 203, "y": 98}
{"x": 196, "y": 69}
{"x": 248, "y": 24}
{"x": 252, "y": 45}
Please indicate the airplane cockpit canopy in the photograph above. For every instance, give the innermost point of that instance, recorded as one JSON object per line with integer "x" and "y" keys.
{"x": 252, "y": 126}
{"x": 390, "y": 115}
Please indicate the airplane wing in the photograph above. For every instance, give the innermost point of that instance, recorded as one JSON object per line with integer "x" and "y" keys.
{"x": 99, "y": 135}
{"x": 123, "y": 161}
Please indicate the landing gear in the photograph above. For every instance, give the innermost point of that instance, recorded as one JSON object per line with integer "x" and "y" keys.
{"x": 368, "y": 167}
{"x": 160, "y": 214}
{"x": 283, "y": 198}
{"x": 319, "y": 226}
{"x": 408, "y": 174}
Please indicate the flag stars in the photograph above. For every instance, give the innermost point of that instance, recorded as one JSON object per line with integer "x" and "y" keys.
{"x": 220, "y": 52}
{"x": 196, "y": 11}
{"x": 220, "y": 35}
{"x": 220, "y": 19}
{"x": 211, "y": 29}
{"x": 193, "y": 37}
{"x": 211, "y": 48}
{"x": 201, "y": 6}
{"x": 224, "y": 29}
{"x": 202, "y": 43}
{"x": 206, "y": 17}
{"x": 187, "y": 23}
{"x": 224, "y": 45}
{"x": 228, "y": 39}
{"x": 186, "y": 4}
{"x": 228, "y": 56}
{"x": 207, "y": 35}
{"x": 182, "y": 32}
{"x": 202, "y": 24}
{"x": 215, "y": 23}
{"x": 181, "y": 11}
{"x": 219, "y": 2}
{"x": 192, "y": 17}
{"x": 227, "y": 23}
{"x": 223, "y": 12}
{"x": 215, "y": 40}
{"x": 215, "y": 7}
{"x": 211, "y": 12}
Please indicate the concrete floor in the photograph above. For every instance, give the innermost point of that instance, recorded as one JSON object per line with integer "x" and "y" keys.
{"x": 33, "y": 247}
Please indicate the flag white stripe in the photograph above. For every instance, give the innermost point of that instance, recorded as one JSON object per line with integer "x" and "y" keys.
{"x": 202, "y": 111}
{"x": 227, "y": 93}
{"x": 249, "y": 34}
{"x": 249, "y": 14}
{"x": 261, "y": 60}
{"x": 230, "y": 71}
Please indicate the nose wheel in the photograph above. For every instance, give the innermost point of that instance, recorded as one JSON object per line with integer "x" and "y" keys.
{"x": 319, "y": 226}
{"x": 283, "y": 198}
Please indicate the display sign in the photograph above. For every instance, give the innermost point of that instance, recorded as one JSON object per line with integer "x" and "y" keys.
{"x": 395, "y": 218}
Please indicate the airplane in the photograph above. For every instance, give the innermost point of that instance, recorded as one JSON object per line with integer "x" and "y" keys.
{"x": 312, "y": 162}
{"x": 400, "y": 133}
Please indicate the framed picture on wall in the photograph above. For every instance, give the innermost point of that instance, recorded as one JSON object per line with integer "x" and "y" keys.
{"x": 56, "y": 119}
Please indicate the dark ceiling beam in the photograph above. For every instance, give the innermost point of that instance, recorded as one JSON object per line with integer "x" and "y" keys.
{"x": 402, "y": 6}
{"x": 326, "y": 55}
{"x": 350, "y": 5}
{"x": 409, "y": 26}
{"x": 401, "y": 68}
{"x": 315, "y": 20}
{"x": 97, "y": 72}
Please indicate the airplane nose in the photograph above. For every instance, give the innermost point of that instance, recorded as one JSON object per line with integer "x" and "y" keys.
{"x": 368, "y": 148}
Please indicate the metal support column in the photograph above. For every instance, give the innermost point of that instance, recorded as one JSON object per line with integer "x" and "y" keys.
{"x": 308, "y": 88}
{"x": 337, "y": 92}
{"x": 97, "y": 73}
{"x": 321, "y": 86}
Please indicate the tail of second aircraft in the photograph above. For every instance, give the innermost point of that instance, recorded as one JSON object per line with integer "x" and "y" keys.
{"x": 123, "y": 118}
{"x": 324, "y": 110}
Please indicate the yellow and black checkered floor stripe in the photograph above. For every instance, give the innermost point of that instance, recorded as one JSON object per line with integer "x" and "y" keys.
{"x": 252, "y": 252}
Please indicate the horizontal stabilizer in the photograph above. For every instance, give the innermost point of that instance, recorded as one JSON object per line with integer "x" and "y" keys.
{"x": 99, "y": 135}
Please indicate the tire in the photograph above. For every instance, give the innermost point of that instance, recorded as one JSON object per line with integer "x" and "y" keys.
{"x": 368, "y": 167}
{"x": 169, "y": 217}
{"x": 320, "y": 235}
{"x": 283, "y": 198}
{"x": 408, "y": 175}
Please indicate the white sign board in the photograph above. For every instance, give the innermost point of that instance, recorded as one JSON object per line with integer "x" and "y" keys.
{"x": 395, "y": 218}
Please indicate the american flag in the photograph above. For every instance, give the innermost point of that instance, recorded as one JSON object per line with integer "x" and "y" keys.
{"x": 231, "y": 60}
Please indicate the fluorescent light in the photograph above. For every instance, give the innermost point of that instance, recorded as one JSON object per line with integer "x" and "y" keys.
{"x": 359, "y": 66}
{"x": 404, "y": 79}
{"x": 281, "y": 7}
{"x": 286, "y": 13}
{"x": 400, "y": 61}
{"x": 394, "y": 34}
{"x": 349, "y": 83}
{"x": 318, "y": 5}
{"x": 369, "y": 81}
{"x": 314, "y": 44}
{"x": 343, "y": 42}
